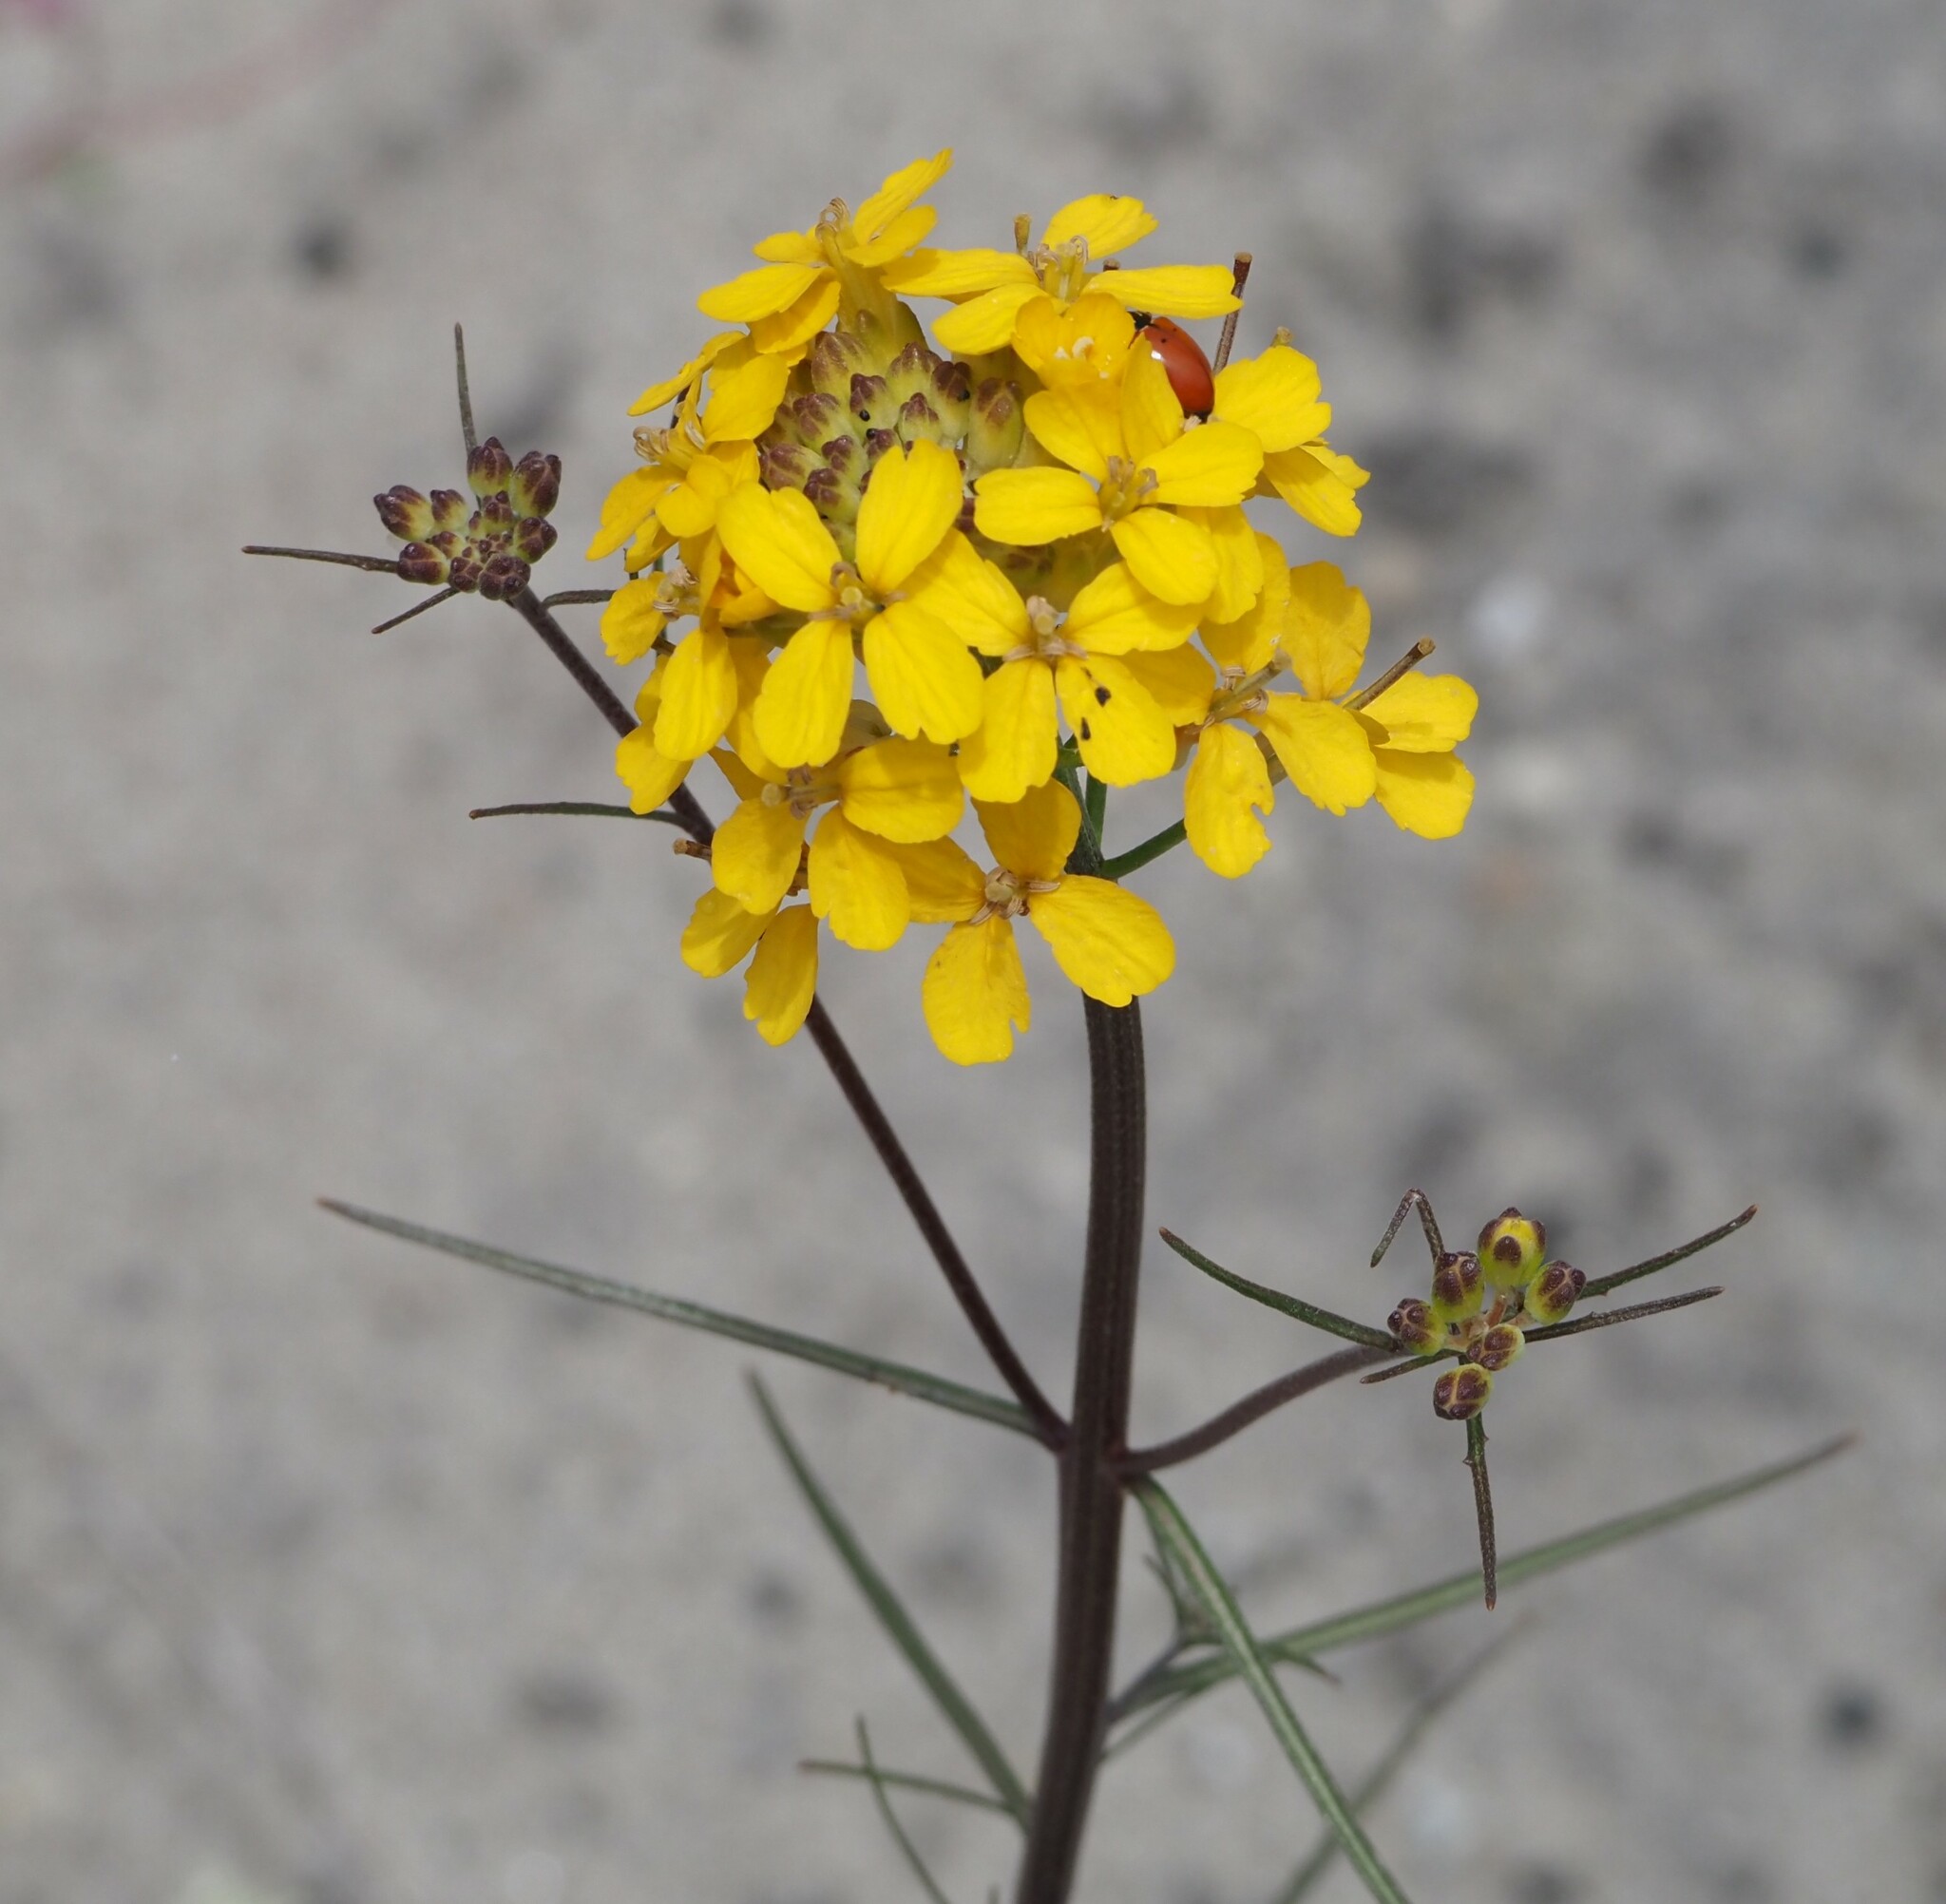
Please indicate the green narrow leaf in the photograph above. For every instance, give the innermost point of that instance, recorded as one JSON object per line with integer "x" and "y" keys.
{"x": 1249, "y": 1661}
{"x": 896, "y": 1621}
{"x": 598, "y": 808}
{"x": 1378, "y": 1781}
{"x": 1331, "y": 1323}
{"x": 1459, "y": 1589}
{"x": 892, "y": 1375}
{"x": 891, "y": 1821}
{"x": 906, "y": 1782}
{"x": 1600, "y": 1286}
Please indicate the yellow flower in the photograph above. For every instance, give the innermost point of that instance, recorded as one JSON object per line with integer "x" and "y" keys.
{"x": 1111, "y": 943}
{"x": 704, "y": 583}
{"x": 1275, "y": 397}
{"x": 1336, "y": 747}
{"x": 889, "y": 794}
{"x": 1129, "y": 466}
{"x": 698, "y": 692}
{"x": 1123, "y": 734}
{"x": 995, "y": 290}
{"x": 782, "y": 980}
{"x": 921, "y": 673}
{"x": 807, "y": 275}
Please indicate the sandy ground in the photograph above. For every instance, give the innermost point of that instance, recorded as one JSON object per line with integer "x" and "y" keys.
{"x": 334, "y": 1572}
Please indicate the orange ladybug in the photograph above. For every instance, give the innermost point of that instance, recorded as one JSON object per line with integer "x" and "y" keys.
{"x": 1190, "y": 376}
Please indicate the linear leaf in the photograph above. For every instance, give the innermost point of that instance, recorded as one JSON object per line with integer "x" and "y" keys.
{"x": 1248, "y": 1660}
{"x": 1331, "y": 1324}
{"x": 913, "y": 1381}
{"x": 897, "y": 1622}
{"x": 1600, "y": 1286}
{"x": 1459, "y": 1589}
{"x": 911, "y": 1851}
{"x": 905, "y": 1782}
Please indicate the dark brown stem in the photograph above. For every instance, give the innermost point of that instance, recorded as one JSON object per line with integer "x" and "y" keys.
{"x": 1091, "y": 1478}
{"x": 1254, "y": 1407}
{"x": 1483, "y": 1510}
{"x": 844, "y": 1068}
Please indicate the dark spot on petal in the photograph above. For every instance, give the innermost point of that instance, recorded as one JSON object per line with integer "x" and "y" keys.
{"x": 1101, "y": 697}
{"x": 1087, "y": 733}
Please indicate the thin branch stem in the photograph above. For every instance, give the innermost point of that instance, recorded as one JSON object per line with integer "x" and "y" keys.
{"x": 375, "y": 564}
{"x": 1252, "y": 1409}
{"x": 578, "y": 598}
{"x": 1484, "y": 1508}
{"x": 417, "y": 608}
{"x": 906, "y": 1782}
{"x": 1600, "y": 1286}
{"x": 597, "y": 808}
{"x": 459, "y": 365}
{"x": 907, "y": 1848}
{"x": 1226, "y": 342}
{"x": 1608, "y": 1319}
{"x": 1152, "y": 849}
{"x": 1427, "y": 1221}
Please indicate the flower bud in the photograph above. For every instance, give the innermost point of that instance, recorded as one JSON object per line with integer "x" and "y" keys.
{"x": 952, "y": 396}
{"x": 421, "y": 562}
{"x": 1553, "y": 1292}
{"x": 833, "y": 498}
{"x": 1462, "y": 1393}
{"x": 871, "y": 401}
{"x": 1457, "y": 1285}
{"x": 1512, "y": 1248}
{"x": 533, "y": 536}
{"x": 1499, "y": 1345}
{"x": 836, "y": 357}
{"x": 910, "y": 373}
{"x": 405, "y": 513}
{"x": 815, "y": 417}
{"x": 784, "y": 466}
{"x": 1415, "y": 1329}
{"x": 995, "y": 428}
{"x": 536, "y": 485}
{"x": 503, "y": 576}
{"x": 490, "y": 468}
{"x": 918, "y": 418}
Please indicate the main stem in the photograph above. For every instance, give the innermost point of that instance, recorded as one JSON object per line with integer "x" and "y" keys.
{"x": 1091, "y": 1479}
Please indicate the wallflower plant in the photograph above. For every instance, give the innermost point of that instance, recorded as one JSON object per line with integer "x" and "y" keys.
{"x": 921, "y": 589}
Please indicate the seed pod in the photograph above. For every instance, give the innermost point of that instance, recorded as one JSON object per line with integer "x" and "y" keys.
{"x": 1499, "y": 1345}
{"x": 1553, "y": 1292}
{"x": 1512, "y": 1248}
{"x": 1415, "y": 1329}
{"x": 1462, "y": 1393}
{"x": 1457, "y": 1285}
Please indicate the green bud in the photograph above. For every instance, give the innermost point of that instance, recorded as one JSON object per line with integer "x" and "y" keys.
{"x": 1462, "y": 1393}
{"x": 1512, "y": 1248}
{"x": 1457, "y": 1285}
{"x": 836, "y": 357}
{"x": 871, "y": 401}
{"x": 1415, "y": 1329}
{"x": 995, "y": 428}
{"x": 1553, "y": 1292}
{"x": 1499, "y": 1345}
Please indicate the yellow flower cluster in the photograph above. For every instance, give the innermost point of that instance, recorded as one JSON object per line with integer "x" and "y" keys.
{"x": 1030, "y": 532}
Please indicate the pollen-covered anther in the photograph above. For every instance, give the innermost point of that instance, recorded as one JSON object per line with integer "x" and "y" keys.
{"x": 1047, "y": 642}
{"x": 1462, "y": 1393}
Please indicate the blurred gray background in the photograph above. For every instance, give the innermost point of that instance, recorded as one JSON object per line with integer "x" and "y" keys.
{"x": 331, "y": 1572}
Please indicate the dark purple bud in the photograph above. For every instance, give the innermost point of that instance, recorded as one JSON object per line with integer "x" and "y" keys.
{"x": 1552, "y": 1294}
{"x": 533, "y": 536}
{"x": 1415, "y": 1327}
{"x": 417, "y": 563}
{"x": 877, "y": 442}
{"x": 450, "y": 508}
{"x": 815, "y": 416}
{"x": 871, "y": 399}
{"x": 836, "y": 357}
{"x": 1501, "y": 1344}
{"x": 917, "y": 417}
{"x": 1462, "y": 1393}
{"x": 842, "y": 454}
{"x": 405, "y": 513}
{"x": 490, "y": 468}
{"x": 536, "y": 485}
{"x": 1457, "y": 1285}
{"x": 465, "y": 570}
{"x": 784, "y": 466}
{"x": 503, "y": 578}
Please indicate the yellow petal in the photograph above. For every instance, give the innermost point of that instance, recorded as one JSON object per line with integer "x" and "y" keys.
{"x": 1246, "y": 642}
{"x": 1326, "y": 625}
{"x": 985, "y": 322}
{"x": 657, "y": 394}
{"x": 1168, "y": 557}
{"x": 1323, "y": 750}
{"x": 650, "y": 777}
{"x": 689, "y": 508}
{"x": 1239, "y": 563}
{"x": 756, "y": 294}
{"x": 789, "y": 248}
{"x": 634, "y": 616}
{"x": 857, "y": 885}
{"x": 698, "y": 695}
{"x": 1175, "y": 290}
{"x": 942, "y": 882}
{"x": 1034, "y": 505}
{"x": 899, "y": 237}
{"x": 911, "y": 503}
{"x": 1075, "y": 346}
{"x": 922, "y": 677}
{"x": 800, "y": 710}
{"x": 1179, "y": 681}
{"x": 1321, "y": 491}
{"x": 1110, "y": 223}
{"x": 1425, "y": 714}
{"x": 1152, "y": 414}
{"x": 785, "y": 332}
{"x": 1123, "y": 735}
{"x": 782, "y": 980}
{"x": 1110, "y": 943}
{"x": 959, "y": 586}
{"x": 756, "y": 852}
{"x": 720, "y": 932}
{"x": 1425, "y": 794}
{"x": 904, "y": 187}
{"x": 743, "y": 398}
{"x": 902, "y": 790}
{"x": 1209, "y": 468}
{"x": 1032, "y": 837}
{"x": 975, "y": 993}
{"x": 1226, "y": 779}
{"x": 775, "y": 538}
{"x": 753, "y": 664}
{"x": 628, "y": 505}
{"x": 1018, "y": 740}
{"x": 1115, "y": 614}
{"x": 1080, "y": 432}
{"x": 1274, "y": 397}
{"x": 651, "y": 542}
{"x": 957, "y": 273}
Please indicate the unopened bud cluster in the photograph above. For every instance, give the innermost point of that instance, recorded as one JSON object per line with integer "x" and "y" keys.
{"x": 490, "y": 548}
{"x": 1481, "y": 1304}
